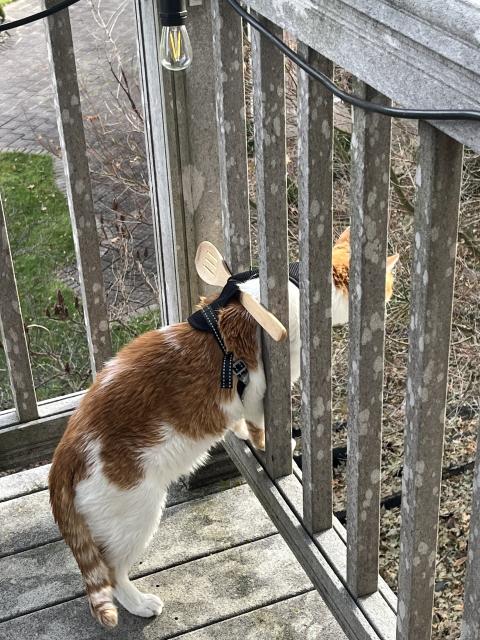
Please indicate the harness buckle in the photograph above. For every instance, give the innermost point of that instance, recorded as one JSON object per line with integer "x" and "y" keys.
{"x": 241, "y": 371}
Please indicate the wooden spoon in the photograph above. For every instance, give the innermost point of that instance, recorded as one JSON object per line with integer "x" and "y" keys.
{"x": 212, "y": 269}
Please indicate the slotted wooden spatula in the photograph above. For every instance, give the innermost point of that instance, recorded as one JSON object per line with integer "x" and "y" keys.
{"x": 212, "y": 269}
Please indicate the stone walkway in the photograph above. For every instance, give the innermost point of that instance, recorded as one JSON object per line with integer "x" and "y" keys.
{"x": 28, "y": 123}
{"x": 27, "y": 117}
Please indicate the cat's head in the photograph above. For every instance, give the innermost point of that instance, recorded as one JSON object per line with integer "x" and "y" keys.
{"x": 341, "y": 266}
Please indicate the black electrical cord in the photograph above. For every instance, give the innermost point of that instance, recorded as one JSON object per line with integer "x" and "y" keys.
{"x": 37, "y": 16}
{"x": 413, "y": 114}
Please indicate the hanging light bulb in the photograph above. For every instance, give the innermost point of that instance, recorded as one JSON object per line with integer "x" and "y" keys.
{"x": 175, "y": 47}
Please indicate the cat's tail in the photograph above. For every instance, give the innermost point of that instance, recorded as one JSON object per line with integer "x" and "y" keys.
{"x": 99, "y": 579}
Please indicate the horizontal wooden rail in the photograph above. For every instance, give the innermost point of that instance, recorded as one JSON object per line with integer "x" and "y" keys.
{"x": 322, "y": 558}
{"x": 416, "y": 62}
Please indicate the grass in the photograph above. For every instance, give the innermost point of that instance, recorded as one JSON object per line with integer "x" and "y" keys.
{"x": 42, "y": 246}
{"x": 37, "y": 217}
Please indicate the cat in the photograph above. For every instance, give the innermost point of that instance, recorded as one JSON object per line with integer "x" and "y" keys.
{"x": 150, "y": 417}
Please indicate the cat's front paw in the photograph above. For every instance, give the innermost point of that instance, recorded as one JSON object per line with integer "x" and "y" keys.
{"x": 240, "y": 429}
{"x": 260, "y": 445}
{"x": 258, "y": 441}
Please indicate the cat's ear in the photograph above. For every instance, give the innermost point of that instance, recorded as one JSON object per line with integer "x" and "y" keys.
{"x": 344, "y": 237}
{"x": 204, "y": 300}
{"x": 392, "y": 261}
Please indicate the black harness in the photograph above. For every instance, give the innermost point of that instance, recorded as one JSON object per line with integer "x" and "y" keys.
{"x": 206, "y": 319}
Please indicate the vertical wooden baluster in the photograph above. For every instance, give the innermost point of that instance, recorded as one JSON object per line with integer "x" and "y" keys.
{"x": 436, "y": 222}
{"x": 13, "y": 334}
{"x": 79, "y": 191}
{"x": 369, "y": 223}
{"x": 471, "y": 611}
{"x": 315, "y": 158}
{"x": 232, "y": 139}
{"x": 269, "y": 117}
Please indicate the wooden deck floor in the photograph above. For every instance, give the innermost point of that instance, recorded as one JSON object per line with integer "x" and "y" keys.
{"x": 217, "y": 562}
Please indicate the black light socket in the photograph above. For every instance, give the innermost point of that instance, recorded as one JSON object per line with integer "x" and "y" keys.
{"x": 173, "y": 13}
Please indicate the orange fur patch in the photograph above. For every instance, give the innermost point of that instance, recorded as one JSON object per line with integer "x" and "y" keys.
{"x": 341, "y": 265}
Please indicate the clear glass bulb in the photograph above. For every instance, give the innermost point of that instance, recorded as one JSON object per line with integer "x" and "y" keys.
{"x": 175, "y": 48}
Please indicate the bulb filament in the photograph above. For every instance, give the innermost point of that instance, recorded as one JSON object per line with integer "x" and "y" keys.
{"x": 175, "y": 46}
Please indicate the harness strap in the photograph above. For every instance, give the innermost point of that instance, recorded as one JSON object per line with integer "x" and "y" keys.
{"x": 206, "y": 320}
{"x": 229, "y": 365}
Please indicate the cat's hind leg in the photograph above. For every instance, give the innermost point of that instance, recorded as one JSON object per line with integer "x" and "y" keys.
{"x": 123, "y": 521}
{"x": 124, "y": 553}
{"x": 141, "y": 604}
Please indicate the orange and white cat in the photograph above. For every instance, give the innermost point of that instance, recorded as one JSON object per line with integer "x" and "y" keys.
{"x": 150, "y": 417}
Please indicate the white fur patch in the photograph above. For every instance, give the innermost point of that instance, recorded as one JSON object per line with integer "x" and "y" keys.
{"x": 102, "y": 596}
{"x": 339, "y": 306}
{"x": 241, "y": 430}
{"x": 175, "y": 456}
{"x": 294, "y": 330}
{"x": 111, "y": 370}
{"x": 250, "y": 407}
{"x": 253, "y": 287}
{"x": 113, "y": 515}
{"x": 170, "y": 335}
{"x": 255, "y": 391}
{"x": 123, "y": 521}
{"x": 339, "y": 316}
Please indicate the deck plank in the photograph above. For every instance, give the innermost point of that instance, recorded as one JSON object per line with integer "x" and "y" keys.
{"x": 195, "y": 594}
{"x": 303, "y": 616}
{"x": 30, "y": 481}
{"x": 27, "y": 521}
{"x": 23, "y": 482}
{"x": 48, "y": 574}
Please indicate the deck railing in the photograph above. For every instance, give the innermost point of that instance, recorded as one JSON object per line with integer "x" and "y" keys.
{"x": 31, "y": 428}
{"x": 200, "y": 191}
{"x": 369, "y": 42}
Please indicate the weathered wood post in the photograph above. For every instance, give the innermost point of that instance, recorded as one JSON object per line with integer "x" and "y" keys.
{"x": 68, "y": 109}
{"x": 182, "y": 149}
{"x": 183, "y": 158}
